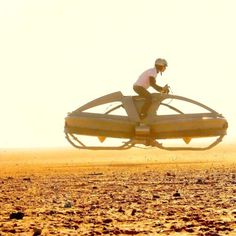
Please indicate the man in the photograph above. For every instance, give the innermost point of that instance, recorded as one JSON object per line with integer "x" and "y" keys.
{"x": 147, "y": 79}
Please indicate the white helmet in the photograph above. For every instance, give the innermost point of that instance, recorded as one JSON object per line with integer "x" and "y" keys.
{"x": 161, "y": 62}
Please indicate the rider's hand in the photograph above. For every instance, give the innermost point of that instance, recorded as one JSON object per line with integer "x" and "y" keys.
{"x": 165, "y": 89}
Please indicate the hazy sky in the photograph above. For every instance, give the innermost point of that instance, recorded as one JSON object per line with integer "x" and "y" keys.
{"x": 56, "y": 55}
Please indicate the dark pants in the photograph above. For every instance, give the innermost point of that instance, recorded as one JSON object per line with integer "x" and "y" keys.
{"x": 142, "y": 92}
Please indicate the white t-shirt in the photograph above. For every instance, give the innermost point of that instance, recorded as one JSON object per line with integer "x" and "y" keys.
{"x": 143, "y": 79}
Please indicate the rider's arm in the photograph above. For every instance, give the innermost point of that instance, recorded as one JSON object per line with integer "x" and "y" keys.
{"x": 154, "y": 85}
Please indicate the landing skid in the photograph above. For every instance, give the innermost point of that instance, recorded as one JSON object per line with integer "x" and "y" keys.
{"x": 213, "y": 144}
{"x": 75, "y": 142}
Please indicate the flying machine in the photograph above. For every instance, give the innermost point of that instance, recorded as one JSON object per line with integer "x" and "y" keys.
{"x": 165, "y": 121}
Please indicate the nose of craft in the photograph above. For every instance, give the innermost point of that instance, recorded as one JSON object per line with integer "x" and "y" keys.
{"x": 226, "y": 124}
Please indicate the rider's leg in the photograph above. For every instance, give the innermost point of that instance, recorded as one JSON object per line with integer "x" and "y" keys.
{"x": 142, "y": 92}
{"x": 147, "y": 104}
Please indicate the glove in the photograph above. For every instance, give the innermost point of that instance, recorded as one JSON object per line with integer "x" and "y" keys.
{"x": 165, "y": 89}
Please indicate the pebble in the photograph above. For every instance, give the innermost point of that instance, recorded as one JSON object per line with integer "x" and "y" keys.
{"x": 176, "y": 194}
{"x": 26, "y": 179}
{"x": 233, "y": 212}
{"x": 107, "y": 221}
{"x": 200, "y": 181}
{"x": 154, "y": 196}
{"x": 68, "y": 205}
{"x": 133, "y": 212}
{"x": 121, "y": 210}
{"x": 17, "y": 215}
{"x": 37, "y": 232}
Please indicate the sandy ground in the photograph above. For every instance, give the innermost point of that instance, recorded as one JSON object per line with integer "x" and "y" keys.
{"x": 133, "y": 192}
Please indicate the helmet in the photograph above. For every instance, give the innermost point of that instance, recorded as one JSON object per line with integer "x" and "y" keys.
{"x": 161, "y": 62}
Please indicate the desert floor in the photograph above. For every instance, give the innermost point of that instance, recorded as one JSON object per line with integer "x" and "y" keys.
{"x": 133, "y": 192}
